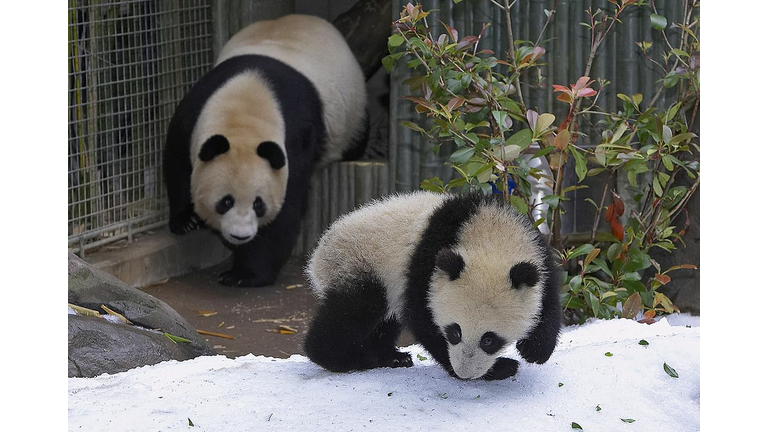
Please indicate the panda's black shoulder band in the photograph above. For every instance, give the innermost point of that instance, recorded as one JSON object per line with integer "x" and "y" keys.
{"x": 273, "y": 153}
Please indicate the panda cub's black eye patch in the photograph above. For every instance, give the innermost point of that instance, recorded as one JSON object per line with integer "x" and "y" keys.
{"x": 453, "y": 333}
{"x": 491, "y": 343}
{"x": 225, "y": 204}
{"x": 259, "y": 207}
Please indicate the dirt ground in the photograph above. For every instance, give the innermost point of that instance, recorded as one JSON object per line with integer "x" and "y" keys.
{"x": 250, "y": 316}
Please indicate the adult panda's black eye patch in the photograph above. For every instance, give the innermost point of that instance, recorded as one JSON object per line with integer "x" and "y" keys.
{"x": 225, "y": 204}
{"x": 453, "y": 333}
{"x": 273, "y": 153}
{"x": 259, "y": 207}
{"x": 523, "y": 274}
{"x": 450, "y": 262}
{"x": 212, "y": 147}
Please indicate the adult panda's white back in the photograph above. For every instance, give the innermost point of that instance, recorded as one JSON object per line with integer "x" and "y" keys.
{"x": 315, "y": 48}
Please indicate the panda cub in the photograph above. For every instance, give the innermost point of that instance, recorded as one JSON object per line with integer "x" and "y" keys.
{"x": 283, "y": 96}
{"x": 465, "y": 274}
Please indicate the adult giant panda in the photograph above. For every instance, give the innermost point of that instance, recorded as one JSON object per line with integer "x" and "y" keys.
{"x": 466, "y": 274}
{"x": 241, "y": 146}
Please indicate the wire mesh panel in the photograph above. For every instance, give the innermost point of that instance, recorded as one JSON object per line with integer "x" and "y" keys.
{"x": 130, "y": 62}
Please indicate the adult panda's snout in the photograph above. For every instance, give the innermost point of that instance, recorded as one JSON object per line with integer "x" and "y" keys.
{"x": 239, "y": 229}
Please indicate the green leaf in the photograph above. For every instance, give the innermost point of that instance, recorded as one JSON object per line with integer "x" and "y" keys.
{"x": 420, "y": 357}
{"x": 543, "y": 152}
{"x": 552, "y": 200}
{"x": 643, "y": 342}
{"x": 658, "y": 22}
{"x": 614, "y": 250}
{"x": 628, "y": 420}
{"x": 412, "y": 125}
{"x": 597, "y": 408}
{"x": 189, "y": 421}
{"x": 521, "y": 139}
{"x": 581, "y": 250}
{"x": 462, "y": 155}
{"x": 543, "y": 122}
{"x": 560, "y": 384}
{"x": 671, "y": 372}
{"x": 638, "y": 260}
{"x": 581, "y": 163}
{"x": 519, "y": 204}
{"x": 389, "y": 63}
{"x": 176, "y": 339}
{"x": 395, "y": 41}
{"x": 670, "y": 80}
{"x": 609, "y": 354}
{"x": 575, "y": 283}
{"x": 594, "y": 303}
{"x": 575, "y": 425}
{"x": 657, "y": 187}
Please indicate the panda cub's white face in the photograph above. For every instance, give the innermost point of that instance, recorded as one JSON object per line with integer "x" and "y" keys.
{"x": 481, "y": 307}
{"x": 486, "y": 292}
{"x": 236, "y": 190}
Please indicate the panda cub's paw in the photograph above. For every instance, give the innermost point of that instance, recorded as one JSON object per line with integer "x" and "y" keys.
{"x": 243, "y": 279}
{"x": 399, "y": 359}
{"x": 185, "y": 222}
{"x": 536, "y": 350}
{"x": 502, "y": 369}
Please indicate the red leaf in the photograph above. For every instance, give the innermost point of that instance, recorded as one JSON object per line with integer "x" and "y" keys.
{"x": 582, "y": 83}
{"x": 451, "y": 30}
{"x": 587, "y": 92}
{"x": 616, "y": 229}
{"x": 561, "y": 140}
{"x": 565, "y": 97}
{"x": 559, "y": 88}
{"x": 610, "y": 213}
{"x": 662, "y": 278}
{"x": 619, "y": 205}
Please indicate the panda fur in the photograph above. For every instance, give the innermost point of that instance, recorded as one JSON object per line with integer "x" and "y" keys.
{"x": 283, "y": 96}
{"x": 465, "y": 274}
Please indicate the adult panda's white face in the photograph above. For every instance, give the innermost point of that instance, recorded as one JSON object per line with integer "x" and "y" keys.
{"x": 236, "y": 189}
{"x": 486, "y": 292}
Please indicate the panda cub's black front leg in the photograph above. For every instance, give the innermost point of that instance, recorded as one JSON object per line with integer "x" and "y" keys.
{"x": 502, "y": 369}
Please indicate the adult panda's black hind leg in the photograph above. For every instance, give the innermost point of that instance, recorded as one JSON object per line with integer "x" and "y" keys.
{"x": 350, "y": 330}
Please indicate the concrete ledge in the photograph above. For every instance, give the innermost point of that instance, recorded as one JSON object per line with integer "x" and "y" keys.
{"x": 151, "y": 258}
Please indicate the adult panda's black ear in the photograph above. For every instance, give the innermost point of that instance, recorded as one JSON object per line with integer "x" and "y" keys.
{"x": 523, "y": 274}
{"x": 212, "y": 147}
{"x": 273, "y": 153}
{"x": 450, "y": 262}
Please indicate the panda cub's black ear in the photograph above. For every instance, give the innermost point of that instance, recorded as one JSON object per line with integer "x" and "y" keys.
{"x": 273, "y": 153}
{"x": 212, "y": 147}
{"x": 450, "y": 262}
{"x": 523, "y": 274}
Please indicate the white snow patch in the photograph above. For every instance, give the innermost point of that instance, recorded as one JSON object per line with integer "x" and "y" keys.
{"x": 260, "y": 393}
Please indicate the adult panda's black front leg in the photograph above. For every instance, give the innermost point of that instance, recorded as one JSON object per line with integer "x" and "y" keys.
{"x": 258, "y": 262}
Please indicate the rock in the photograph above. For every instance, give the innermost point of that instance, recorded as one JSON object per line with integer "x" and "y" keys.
{"x": 98, "y": 346}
